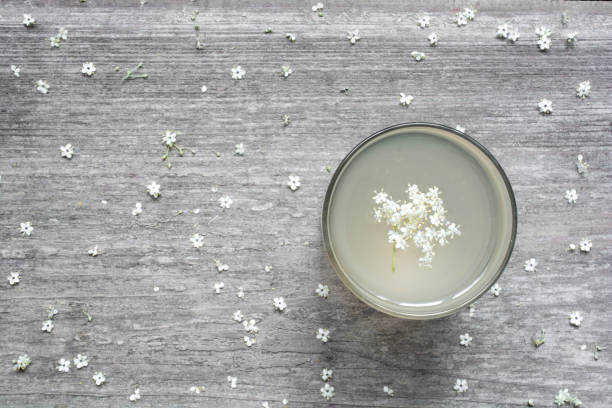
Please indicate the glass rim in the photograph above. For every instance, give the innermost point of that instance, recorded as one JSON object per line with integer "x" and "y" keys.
{"x": 340, "y": 272}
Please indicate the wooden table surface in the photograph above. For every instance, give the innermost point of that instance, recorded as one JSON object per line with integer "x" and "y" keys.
{"x": 183, "y": 335}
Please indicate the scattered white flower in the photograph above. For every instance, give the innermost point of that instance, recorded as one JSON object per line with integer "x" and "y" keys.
{"x": 322, "y": 290}
{"x": 16, "y": 70}
{"x": 353, "y": 36}
{"x": 221, "y": 266}
{"x": 225, "y": 201}
{"x": 204, "y": 88}
{"x": 197, "y": 240}
{"x": 544, "y": 43}
{"x": 495, "y": 290}
{"x": 581, "y": 165}
{"x": 563, "y": 396}
{"x": 137, "y": 209}
{"x": 290, "y": 37}
{"x": 545, "y": 106}
{"x": 238, "y": 72}
{"x": 169, "y": 138}
{"x": 22, "y": 362}
{"x": 513, "y": 35}
{"x": 155, "y": 288}
{"x": 585, "y": 245}
{"x": 294, "y": 182}
{"x": 249, "y": 326}
{"x": 279, "y": 304}
{"x": 433, "y": 39}
{"x": 327, "y": 374}
{"x": 572, "y": 38}
{"x": 575, "y": 318}
{"x": 286, "y": 70}
{"x": 460, "y": 19}
{"x": 56, "y": 41}
{"x": 323, "y": 335}
{"x": 136, "y": 395}
{"x": 47, "y": 326}
{"x": 503, "y": 30}
{"x": 571, "y": 247}
{"x": 42, "y": 86}
{"x": 461, "y": 385}
{"x": 154, "y": 189}
{"x": 469, "y": 13}
{"x": 388, "y": 390}
{"x": 237, "y": 316}
{"x": 265, "y": 404}
{"x": 51, "y": 312}
{"x": 418, "y": 56}
{"x": 285, "y": 402}
{"x": 80, "y": 361}
{"x": 232, "y": 381}
{"x": 249, "y": 341}
{"x": 465, "y": 339}
{"x": 460, "y": 128}
{"x": 88, "y": 68}
{"x": 28, "y": 20}
{"x": 543, "y": 31}
{"x": 583, "y": 89}
{"x": 327, "y": 391}
{"x": 13, "y": 278}
{"x": 64, "y": 365}
{"x": 583, "y": 347}
{"x": 26, "y": 228}
{"x": 94, "y": 251}
{"x": 218, "y": 286}
{"x": 240, "y": 293}
{"x": 99, "y": 378}
{"x": 571, "y": 196}
{"x": 318, "y": 8}
{"x": 423, "y": 21}
{"x": 196, "y": 389}
{"x": 405, "y": 100}
{"x": 67, "y": 151}
{"x": 472, "y": 308}
{"x": 268, "y": 268}
{"x": 239, "y": 149}
{"x": 530, "y": 265}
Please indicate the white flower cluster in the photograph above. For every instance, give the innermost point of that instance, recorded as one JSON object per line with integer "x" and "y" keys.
{"x": 353, "y": 36}
{"x": 418, "y": 56}
{"x": 62, "y": 35}
{"x": 463, "y": 17}
{"x": 583, "y": 89}
{"x": 507, "y": 32}
{"x": 563, "y": 396}
{"x": 423, "y": 21}
{"x": 421, "y": 220}
{"x": 544, "y": 40}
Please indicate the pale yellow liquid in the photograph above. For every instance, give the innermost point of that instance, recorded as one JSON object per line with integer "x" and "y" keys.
{"x": 474, "y": 195}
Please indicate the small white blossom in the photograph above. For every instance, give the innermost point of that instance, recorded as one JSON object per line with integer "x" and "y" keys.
{"x": 13, "y": 278}
{"x": 169, "y": 138}
{"x": 204, "y": 88}
{"x": 388, "y": 390}
{"x": 575, "y": 318}
{"x": 80, "y": 361}
{"x": 238, "y": 72}
{"x": 323, "y": 335}
{"x": 26, "y": 228}
{"x": 472, "y": 308}
{"x": 240, "y": 293}
{"x": 265, "y": 404}
{"x": 405, "y": 100}
{"x": 571, "y": 196}
{"x": 197, "y": 240}
{"x": 513, "y": 35}
{"x": 42, "y": 86}
{"x": 250, "y": 326}
{"x": 530, "y": 265}
{"x": 239, "y": 149}
{"x": 563, "y": 396}
{"x": 136, "y": 395}
{"x": 543, "y": 31}
{"x": 22, "y": 362}
{"x": 327, "y": 374}
{"x": 318, "y": 7}
{"x": 571, "y": 247}
{"x": 322, "y": 290}
{"x": 55, "y": 42}
{"x": 16, "y": 70}
{"x": 544, "y": 43}
{"x": 221, "y": 266}
{"x": 433, "y": 39}
{"x": 64, "y": 365}
{"x": 495, "y": 290}
{"x": 225, "y": 201}
{"x": 418, "y": 56}
{"x": 503, "y": 30}
{"x": 279, "y": 304}
{"x": 28, "y": 20}
{"x": 249, "y": 341}
{"x": 465, "y": 339}
{"x": 154, "y": 189}
{"x": 237, "y": 316}
{"x": 88, "y": 68}
{"x": 218, "y": 286}
{"x": 327, "y": 391}
{"x": 137, "y": 209}
{"x": 469, "y": 13}
{"x": 583, "y": 89}
{"x": 286, "y": 70}
{"x": 294, "y": 182}
{"x": 545, "y": 106}
{"x": 47, "y": 326}
{"x": 196, "y": 389}
{"x": 94, "y": 251}
{"x": 353, "y": 36}
{"x": 572, "y": 38}
{"x": 423, "y": 21}
{"x": 585, "y": 245}
{"x": 581, "y": 165}
{"x": 290, "y": 37}
{"x": 460, "y": 128}
{"x": 461, "y": 19}
{"x": 285, "y": 402}
{"x": 99, "y": 378}
{"x": 461, "y": 385}
{"x": 232, "y": 381}
{"x": 268, "y": 268}
{"x": 67, "y": 151}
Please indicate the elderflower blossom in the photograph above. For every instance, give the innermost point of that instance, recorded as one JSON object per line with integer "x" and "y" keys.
{"x": 327, "y": 374}
{"x": 42, "y": 86}
{"x": 196, "y": 389}
{"x": 421, "y": 220}
{"x": 80, "y": 361}
{"x": 99, "y": 378}
{"x": 513, "y": 35}
{"x": 575, "y": 319}
{"x": 530, "y": 265}
{"x": 353, "y": 36}
{"x": 322, "y": 290}
{"x": 571, "y": 196}
{"x": 221, "y": 266}
{"x": 240, "y": 293}
{"x": 137, "y": 209}
{"x": 88, "y": 68}
{"x": 232, "y": 381}
{"x": 238, "y": 316}
{"x": 290, "y": 37}
{"x": 583, "y": 89}
{"x": 463, "y": 17}
{"x": 67, "y": 151}
{"x": 64, "y": 365}
{"x": 388, "y": 390}
{"x": 62, "y": 35}
{"x": 461, "y": 385}
{"x": 249, "y": 341}
{"x": 495, "y": 290}
{"x": 169, "y": 138}
{"x": 47, "y": 326}
{"x": 286, "y": 71}
{"x": 465, "y": 339}
{"x": 418, "y": 56}
{"x": 95, "y": 251}
{"x": 327, "y": 391}
{"x": 323, "y": 335}
{"x": 250, "y": 326}
{"x": 318, "y": 8}
{"x": 16, "y": 70}
{"x": 28, "y": 20}
{"x": 460, "y": 128}
{"x": 13, "y": 278}
{"x": 544, "y": 40}
{"x": 545, "y": 106}
{"x": 433, "y": 39}
{"x": 22, "y": 362}
{"x": 225, "y": 202}
{"x": 294, "y": 182}
{"x": 26, "y": 228}
{"x": 136, "y": 395}
{"x": 218, "y": 286}
{"x": 239, "y": 149}
{"x": 572, "y": 38}
{"x": 563, "y": 396}
{"x": 154, "y": 189}
{"x": 279, "y": 304}
{"x": 503, "y": 30}
{"x": 238, "y": 72}
{"x": 405, "y": 100}
{"x": 423, "y": 21}
{"x": 197, "y": 240}
{"x": 585, "y": 245}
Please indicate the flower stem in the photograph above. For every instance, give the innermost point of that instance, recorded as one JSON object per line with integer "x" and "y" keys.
{"x": 393, "y": 259}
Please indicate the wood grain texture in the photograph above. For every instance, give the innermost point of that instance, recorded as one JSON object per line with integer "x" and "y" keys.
{"x": 183, "y": 335}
